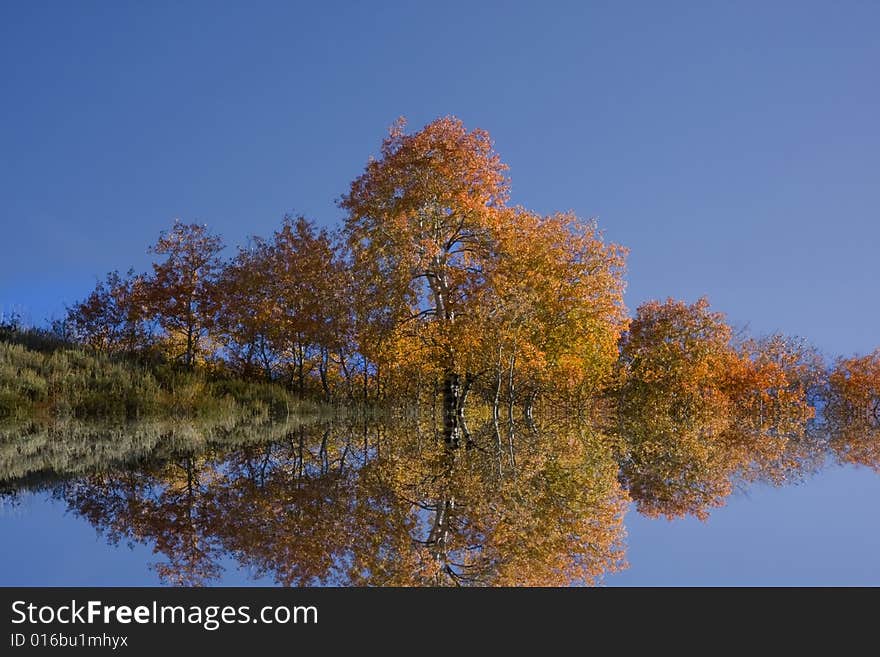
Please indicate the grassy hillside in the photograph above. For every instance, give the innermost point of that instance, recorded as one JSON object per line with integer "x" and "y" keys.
{"x": 42, "y": 378}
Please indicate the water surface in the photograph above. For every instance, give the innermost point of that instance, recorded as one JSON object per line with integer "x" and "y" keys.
{"x": 369, "y": 503}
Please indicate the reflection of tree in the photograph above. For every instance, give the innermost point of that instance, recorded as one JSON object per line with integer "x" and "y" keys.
{"x": 284, "y": 509}
{"x": 550, "y": 514}
{"x": 694, "y": 414}
{"x": 165, "y": 506}
{"x": 318, "y": 507}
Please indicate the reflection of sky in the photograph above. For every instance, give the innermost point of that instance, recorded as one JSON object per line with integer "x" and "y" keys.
{"x": 45, "y": 546}
{"x": 825, "y": 531}
{"x": 795, "y": 535}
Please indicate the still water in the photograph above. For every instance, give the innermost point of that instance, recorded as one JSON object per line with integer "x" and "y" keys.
{"x": 369, "y": 503}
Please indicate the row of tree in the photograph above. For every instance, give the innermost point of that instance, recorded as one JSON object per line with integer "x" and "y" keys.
{"x": 433, "y": 280}
{"x": 436, "y": 284}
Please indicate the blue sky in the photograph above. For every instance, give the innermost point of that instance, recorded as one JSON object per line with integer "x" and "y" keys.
{"x": 732, "y": 146}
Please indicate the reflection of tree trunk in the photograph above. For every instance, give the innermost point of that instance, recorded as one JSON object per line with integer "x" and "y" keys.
{"x": 455, "y": 392}
{"x": 190, "y": 541}
{"x": 527, "y": 411}
{"x": 365, "y": 378}
{"x": 465, "y": 432}
{"x": 366, "y": 440}
{"x": 497, "y": 399}
{"x": 511, "y": 388}
{"x": 510, "y": 440}
{"x": 438, "y": 538}
{"x": 499, "y": 449}
{"x": 190, "y": 477}
{"x": 322, "y": 453}
{"x": 301, "y": 457}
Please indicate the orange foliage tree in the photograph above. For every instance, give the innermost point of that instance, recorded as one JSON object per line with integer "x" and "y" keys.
{"x": 308, "y": 290}
{"x": 695, "y": 410}
{"x": 282, "y": 308}
{"x": 852, "y": 410}
{"x": 450, "y": 268}
{"x": 552, "y": 312}
{"x": 421, "y": 225}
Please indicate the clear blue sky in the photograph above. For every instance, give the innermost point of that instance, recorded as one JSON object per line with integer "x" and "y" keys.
{"x": 734, "y": 147}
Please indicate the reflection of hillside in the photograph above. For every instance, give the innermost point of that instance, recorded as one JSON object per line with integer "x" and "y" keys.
{"x": 39, "y": 454}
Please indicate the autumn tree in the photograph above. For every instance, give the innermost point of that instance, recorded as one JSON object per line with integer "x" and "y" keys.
{"x": 421, "y": 220}
{"x": 447, "y": 262}
{"x": 284, "y": 509}
{"x": 163, "y": 505}
{"x": 315, "y": 505}
{"x": 247, "y": 311}
{"x": 852, "y": 410}
{"x": 775, "y": 388}
{"x": 307, "y": 288}
{"x": 697, "y": 411}
{"x": 180, "y": 294}
{"x": 112, "y": 317}
{"x": 673, "y": 410}
{"x": 552, "y": 515}
{"x": 552, "y": 312}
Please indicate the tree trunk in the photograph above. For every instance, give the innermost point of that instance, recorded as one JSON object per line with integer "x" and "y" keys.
{"x": 300, "y": 367}
{"x": 322, "y": 369}
{"x": 438, "y": 537}
{"x": 188, "y": 357}
{"x": 378, "y": 381}
{"x": 347, "y": 375}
